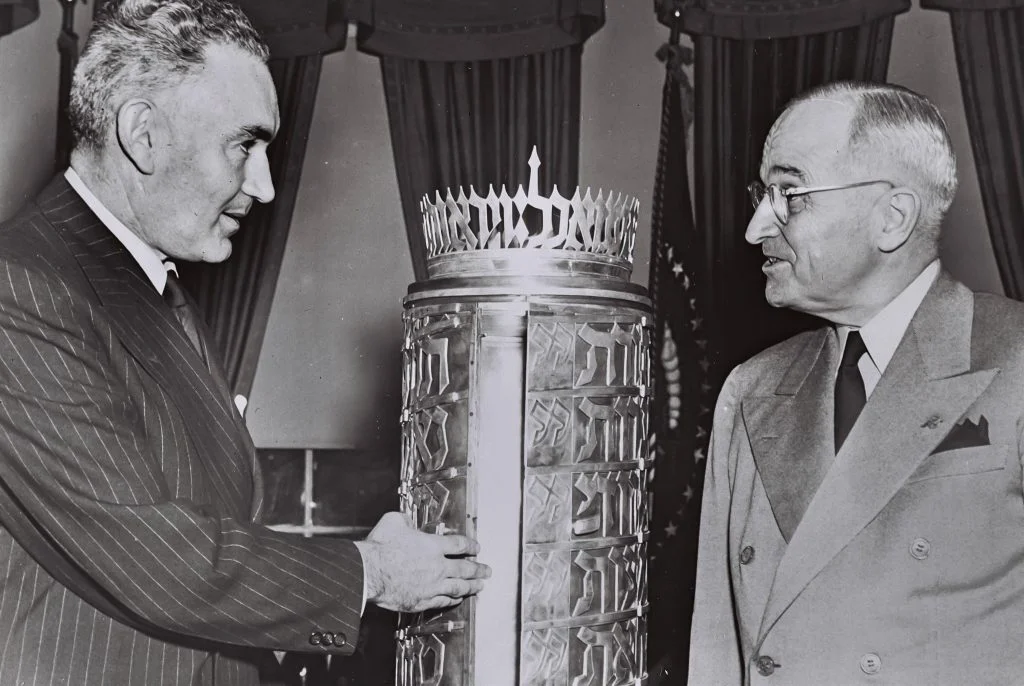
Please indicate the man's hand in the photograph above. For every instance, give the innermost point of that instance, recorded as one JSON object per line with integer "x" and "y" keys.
{"x": 410, "y": 571}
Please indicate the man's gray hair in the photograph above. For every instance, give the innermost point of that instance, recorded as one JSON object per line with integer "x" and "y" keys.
{"x": 895, "y": 128}
{"x": 140, "y": 47}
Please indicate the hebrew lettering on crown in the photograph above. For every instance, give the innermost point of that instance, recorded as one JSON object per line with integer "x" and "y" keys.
{"x": 602, "y": 225}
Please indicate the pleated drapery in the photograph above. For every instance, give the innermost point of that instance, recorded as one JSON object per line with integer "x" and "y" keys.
{"x": 15, "y": 14}
{"x": 471, "y": 88}
{"x": 741, "y": 87}
{"x": 989, "y": 41}
{"x": 235, "y": 296}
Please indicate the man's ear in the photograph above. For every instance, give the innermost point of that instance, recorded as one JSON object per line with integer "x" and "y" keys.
{"x": 136, "y": 133}
{"x": 900, "y": 212}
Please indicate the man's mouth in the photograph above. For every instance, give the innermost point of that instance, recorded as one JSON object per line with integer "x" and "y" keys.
{"x": 233, "y": 222}
{"x": 236, "y": 216}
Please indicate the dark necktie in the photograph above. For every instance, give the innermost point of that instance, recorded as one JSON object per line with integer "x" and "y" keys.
{"x": 174, "y": 296}
{"x": 850, "y": 394}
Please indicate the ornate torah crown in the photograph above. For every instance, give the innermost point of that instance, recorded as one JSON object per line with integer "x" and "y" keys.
{"x": 528, "y": 228}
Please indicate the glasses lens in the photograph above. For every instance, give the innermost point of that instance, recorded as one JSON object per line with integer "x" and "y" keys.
{"x": 756, "y": 191}
{"x": 779, "y": 203}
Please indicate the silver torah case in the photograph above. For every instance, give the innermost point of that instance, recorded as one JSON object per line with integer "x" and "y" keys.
{"x": 526, "y": 381}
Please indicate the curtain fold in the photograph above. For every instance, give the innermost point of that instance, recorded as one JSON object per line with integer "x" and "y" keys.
{"x": 14, "y": 14}
{"x": 741, "y": 86}
{"x": 467, "y": 31}
{"x": 67, "y": 46}
{"x": 298, "y": 28}
{"x": 474, "y": 123}
{"x": 471, "y": 87}
{"x": 764, "y": 19}
{"x": 990, "y": 60}
{"x": 234, "y": 297}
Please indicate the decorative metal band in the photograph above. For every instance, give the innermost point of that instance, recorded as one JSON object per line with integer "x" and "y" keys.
{"x": 460, "y": 290}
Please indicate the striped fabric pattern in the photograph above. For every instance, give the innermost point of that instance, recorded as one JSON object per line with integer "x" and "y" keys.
{"x": 120, "y": 445}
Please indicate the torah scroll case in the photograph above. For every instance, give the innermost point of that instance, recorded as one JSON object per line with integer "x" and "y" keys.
{"x": 525, "y": 413}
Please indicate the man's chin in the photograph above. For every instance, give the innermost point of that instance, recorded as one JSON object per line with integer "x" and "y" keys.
{"x": 217, "y": 253}
{"x": 775, "y": 297}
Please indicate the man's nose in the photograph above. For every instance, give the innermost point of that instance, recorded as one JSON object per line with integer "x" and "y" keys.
{"x": 258, "y": 184}
{"x": 763, "y": 225}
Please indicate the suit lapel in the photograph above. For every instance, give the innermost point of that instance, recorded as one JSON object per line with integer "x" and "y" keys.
{"x": 790, "y": 432}
{"x": 926, "y": 388}
{"x": 152, "y": 335}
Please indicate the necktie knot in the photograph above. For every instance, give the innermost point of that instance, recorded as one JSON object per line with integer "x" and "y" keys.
{"x": 850, "y": 395}
{"x": 174, "y": 296}
{"x": 174, "y": 293}
{"x": 854, "y": 350}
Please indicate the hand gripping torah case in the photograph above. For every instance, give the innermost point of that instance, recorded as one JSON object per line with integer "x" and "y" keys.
{"x": 526, "y": 388}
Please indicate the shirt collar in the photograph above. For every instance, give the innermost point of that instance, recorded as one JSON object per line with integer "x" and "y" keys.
{"x": 883, "y": 333}
{"x": 150, "y": 259}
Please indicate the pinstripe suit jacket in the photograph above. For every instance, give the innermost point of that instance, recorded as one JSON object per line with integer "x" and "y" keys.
{"x": 126, "y": 453}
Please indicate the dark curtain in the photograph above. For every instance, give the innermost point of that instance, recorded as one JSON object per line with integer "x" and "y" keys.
{"x": 750, "y": 58}
{"x": 472, "y": 87}
{"x": 17, "y": 13}
{"x": 989, "y": 41}
{"x": 235, "y": 297}
{"x": 742, "y": 84}
{"x": 67, "y": 46}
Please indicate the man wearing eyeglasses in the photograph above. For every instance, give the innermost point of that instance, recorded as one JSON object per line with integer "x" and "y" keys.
{"x": 863, "y": 512}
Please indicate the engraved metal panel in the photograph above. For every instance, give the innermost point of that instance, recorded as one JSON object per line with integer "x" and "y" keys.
{"x": 612, "y": 654}
{"x": 580, "y": 507}
{"x": 431, "y": 658}
{"x": 584, "y": 581}
{"x": 585, "y": 510}
{"x": 433, "y": 647}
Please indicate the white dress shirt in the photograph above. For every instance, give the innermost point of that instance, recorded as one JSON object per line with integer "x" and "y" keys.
{"x": 883, "y": 333}
{"x": 152, "y": 261}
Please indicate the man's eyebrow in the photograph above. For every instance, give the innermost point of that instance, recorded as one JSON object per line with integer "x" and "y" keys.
{"x": 786, "y": 169}
{"x": 260, "y": 133}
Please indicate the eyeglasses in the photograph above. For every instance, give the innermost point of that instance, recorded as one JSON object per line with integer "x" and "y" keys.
{"x": 779, "y": 197}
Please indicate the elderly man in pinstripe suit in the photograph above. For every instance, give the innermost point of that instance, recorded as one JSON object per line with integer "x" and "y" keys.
{"x": 130, "y": 552}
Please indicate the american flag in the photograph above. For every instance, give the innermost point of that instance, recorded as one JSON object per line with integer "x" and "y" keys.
{"x": 685, "y": 385}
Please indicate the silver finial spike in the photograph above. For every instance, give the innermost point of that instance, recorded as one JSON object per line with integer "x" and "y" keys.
{"x": 534, "y": 166}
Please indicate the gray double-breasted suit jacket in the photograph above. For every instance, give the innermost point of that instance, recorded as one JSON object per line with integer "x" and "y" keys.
{"x": 901, "y": 560}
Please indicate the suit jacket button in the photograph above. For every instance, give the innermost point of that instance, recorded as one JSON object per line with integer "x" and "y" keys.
{"x": 747, "y": 555}
{"x": 339, "y": 640}
{"x": 870, "y": 663}
{"x": 316, "y": 638}
{"x": 920, "y": 548}
{"x": 766, "y": 665}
